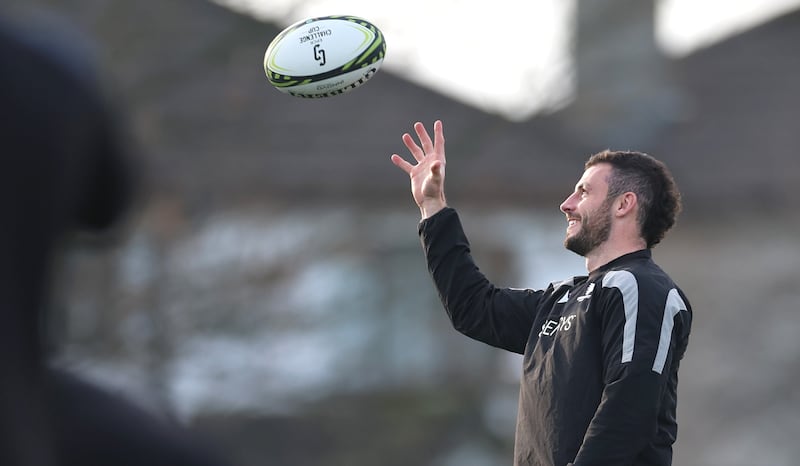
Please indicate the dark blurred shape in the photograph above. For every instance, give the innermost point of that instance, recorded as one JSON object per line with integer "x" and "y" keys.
{"x": 64, "y": 169}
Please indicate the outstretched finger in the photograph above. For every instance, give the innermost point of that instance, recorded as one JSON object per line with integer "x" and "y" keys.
{"x": 412, "y": 146}
{"x": 424, "y": 138}
{"x": 402, "y": 163}
{"x": 438, "y": 137}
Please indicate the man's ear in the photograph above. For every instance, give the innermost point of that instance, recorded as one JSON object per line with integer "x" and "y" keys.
{"x": 626, "y": 204}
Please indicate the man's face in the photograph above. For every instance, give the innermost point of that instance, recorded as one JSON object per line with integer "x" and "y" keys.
{"x": 588, "y": 211}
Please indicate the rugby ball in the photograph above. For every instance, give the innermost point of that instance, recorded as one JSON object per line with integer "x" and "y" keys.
{"x": 324, "y": 56}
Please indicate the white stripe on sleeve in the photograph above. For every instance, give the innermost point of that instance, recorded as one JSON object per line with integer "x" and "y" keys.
{"x": 674, "y": 305}
{"x": 627, "y": 285}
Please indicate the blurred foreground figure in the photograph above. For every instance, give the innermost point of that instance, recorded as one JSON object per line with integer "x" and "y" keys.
{"x": 601, "y": 351}
{"x": 63, "y": 170}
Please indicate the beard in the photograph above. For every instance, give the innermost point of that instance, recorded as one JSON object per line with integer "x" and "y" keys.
{"x": 595, "y": 229}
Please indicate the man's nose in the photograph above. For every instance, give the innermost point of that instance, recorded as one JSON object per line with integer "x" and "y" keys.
{"x": 568, "y": 205}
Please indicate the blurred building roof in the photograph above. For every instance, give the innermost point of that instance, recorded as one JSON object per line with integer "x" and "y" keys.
{"x": 214, "y": 131}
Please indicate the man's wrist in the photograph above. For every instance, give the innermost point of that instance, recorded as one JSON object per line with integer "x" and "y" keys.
{"x": 429, "y": 208}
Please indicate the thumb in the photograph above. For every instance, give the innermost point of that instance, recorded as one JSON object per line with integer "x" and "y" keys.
{"x": 436, "y": 169}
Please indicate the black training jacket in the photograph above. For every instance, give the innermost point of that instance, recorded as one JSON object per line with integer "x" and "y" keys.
{"x": 601, "y": 352}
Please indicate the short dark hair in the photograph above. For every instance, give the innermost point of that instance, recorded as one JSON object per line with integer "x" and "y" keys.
{"x": 656, "y": 192}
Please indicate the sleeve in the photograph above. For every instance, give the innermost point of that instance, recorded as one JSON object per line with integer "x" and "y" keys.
{"x": 500, "y": 317}
{"x": 637, "y": 349}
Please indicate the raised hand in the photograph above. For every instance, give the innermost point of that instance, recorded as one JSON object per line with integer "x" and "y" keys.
{"x": 427, "y": 175}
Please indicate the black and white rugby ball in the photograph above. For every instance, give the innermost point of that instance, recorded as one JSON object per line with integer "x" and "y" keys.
{"x": 325, "y": 56}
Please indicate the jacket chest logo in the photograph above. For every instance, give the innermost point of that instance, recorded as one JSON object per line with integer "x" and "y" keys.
{"x": 580, "y": 299}
{"x": 551, "y": 327}
{"x": 588, "y": 293}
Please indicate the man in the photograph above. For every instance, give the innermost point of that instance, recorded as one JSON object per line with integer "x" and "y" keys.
{"x": 65, "y": 168}
{"x": 601, "y": 352}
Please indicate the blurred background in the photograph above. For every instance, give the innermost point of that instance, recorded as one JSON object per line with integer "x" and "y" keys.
{"x": 269, "y": 290}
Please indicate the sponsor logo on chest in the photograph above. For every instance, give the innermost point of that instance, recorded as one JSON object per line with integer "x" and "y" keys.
{"x": 565, "y": 322}
{"x": 551, "y": 327}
